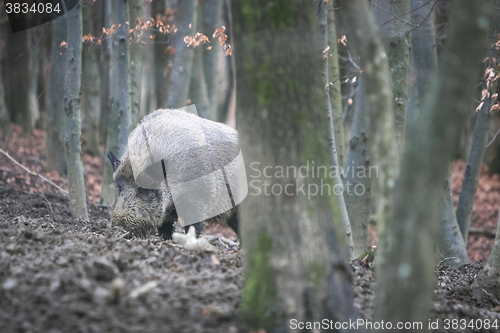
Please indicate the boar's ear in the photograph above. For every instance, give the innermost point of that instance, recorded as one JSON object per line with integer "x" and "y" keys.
{"x": 114, "y": 161}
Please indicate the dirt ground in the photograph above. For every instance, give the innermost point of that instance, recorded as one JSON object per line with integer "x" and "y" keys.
{"x": 58, "y": 274}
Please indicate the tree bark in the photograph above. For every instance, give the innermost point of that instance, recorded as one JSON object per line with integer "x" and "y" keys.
{"x": 293, "y": 266}
{"x": 358, "y": 186}
{"x": 136, "y": 61}
{"x": 119, "y": 121}
{"x": 475, "y": 160}
{"x": 337, "y": 180}
{"x": 399, "y": 64}
{"x": 335, "y": 90}
{"x": 451, "y": 246}
{"x": 406, "y": 278}
{"x": 211, "y": 16}
{"x": 423, "y": 44}
{"x": 5, "y": 129}
{"x": 90, "y": 88}
{"x": 56, "y": 115}
{"x": 378, "y": 91}
{"x": 180, "y": 78}
{"x": 72, "y": 85}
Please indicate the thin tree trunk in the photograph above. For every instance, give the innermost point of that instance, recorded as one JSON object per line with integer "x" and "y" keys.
{"x": 337, "y": 180}
{"x": 185, "y": 20}
{"x": 136, "y": 64}
{"x": 492, "y": 267}
{"x": 34, "y": 58}
{"x": 451, "y": 247}
{"x": 17, "y": 91}
{"x": 475, "y": 161}
{"x": 55, "y": 111}
{"x": 5, "y": 129}
{"x": 406, "y": 279}
{"x": 399, "y": 64}
{"x": 90, "y": 87}
{"x": 335, "y": 90}
{"x": 423, "y": 44}
{"x": 122, "y": 75}
{"x": 230, "y": 94}
{"x": 358, "y": 187}
{"x": 378, "y": 91}
{"x": 119, "y": 117}
{"x": 105, "y": 69}
{"x": 293, "y": 266}
{"x": 76, "y": 183}
{"x": 198, "y": 87}
{"x": 211, "y": 16}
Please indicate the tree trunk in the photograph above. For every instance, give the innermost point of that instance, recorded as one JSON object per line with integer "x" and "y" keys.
{"x": 451, "y": 246}
{"x": 358, "y": 186}
{"x": 337, "y": 180}
{"x": 230, "y": 95}
{"x": 211, "y": 16}
{"x": 423, "y": 44}
{"x": 335, "y": 90}
{"x": 105, "y": 69}
{"x": 180, "y": 78}
{"x": 198, "y": 87}
{"x": 76, "y": 184}
{"x": 377, "y": 85}
{"x": 293, "y": 265}
{"x": 399, "y": 64}
{"x": 136, "y": 60}
{"x": 55, "y": 111}
{"x": 492, "y": 267}
{"x": 475, "y": 159}
{"x": 34, "y": 57}
{"x": 90, "y": 87}
{"x": 17, "y": 91}
{"x": 119, "y": 120}
{"x": 5, "y": 129}
{"x": 406, "y": 278}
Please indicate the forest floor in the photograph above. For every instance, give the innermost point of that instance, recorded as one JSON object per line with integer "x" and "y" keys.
{"x": 58, "y": 274}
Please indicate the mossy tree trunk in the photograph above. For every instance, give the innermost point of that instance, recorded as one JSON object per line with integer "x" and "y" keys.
{"x": 406, "y": 279}
{"x": 186, "y": 22}
{"x": 72, "y": 85}
{"x": 292, "y": 242}
{"x": 55, "y": 111}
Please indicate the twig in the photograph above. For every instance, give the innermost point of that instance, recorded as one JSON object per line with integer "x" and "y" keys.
{"x": 489, "y": 143}
{"x": 430, "y": 12}
{"x": 121, "y": 236}
{"x": 63, "y": 191}
{"x": 395, "y": 16}
{"x": 50, "y": 205}
{"x": 441, "y": 262}
{"x": 411, "y": 11}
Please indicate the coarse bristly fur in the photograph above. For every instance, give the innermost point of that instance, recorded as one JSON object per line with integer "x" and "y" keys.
{"x": 144, "y": 211}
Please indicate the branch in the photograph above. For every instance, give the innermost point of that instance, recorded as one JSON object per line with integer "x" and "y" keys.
{"x": 411, "y": 11}
{"x": 63, "y": 191}
{"x": 395, "y": 16}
